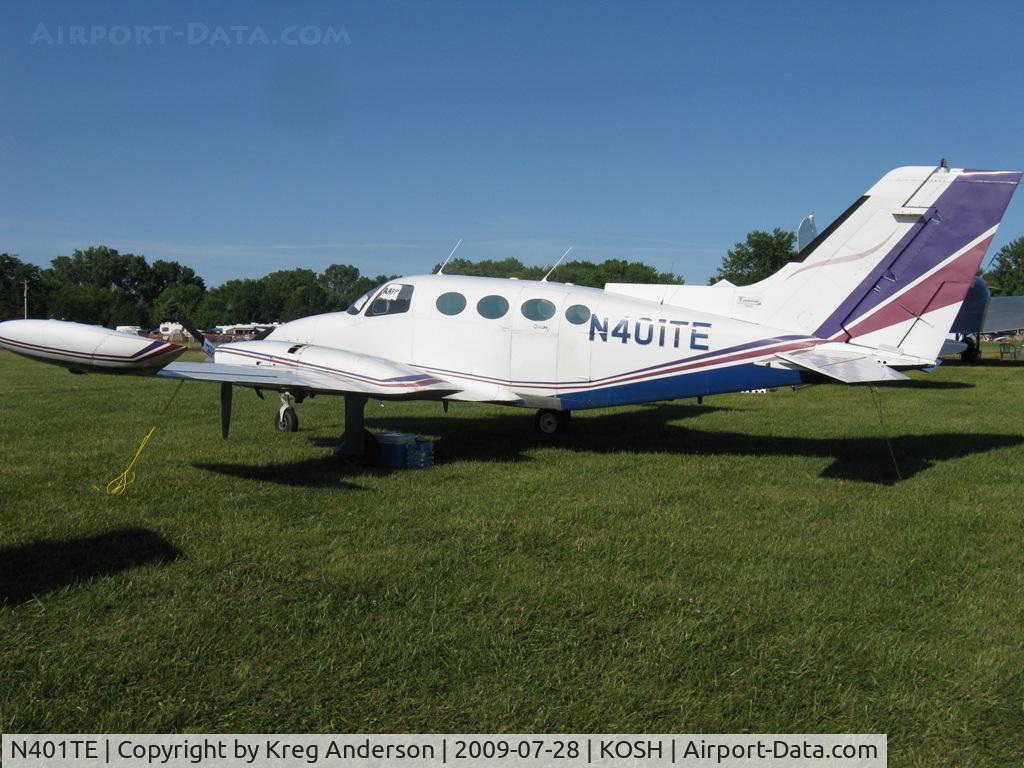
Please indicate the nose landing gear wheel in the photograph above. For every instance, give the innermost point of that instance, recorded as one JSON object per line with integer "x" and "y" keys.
{"x": 549, "y": 422}
{"x": 286, "y": 420}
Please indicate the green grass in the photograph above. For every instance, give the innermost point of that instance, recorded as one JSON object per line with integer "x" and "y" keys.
{"x": 752, "y": 564}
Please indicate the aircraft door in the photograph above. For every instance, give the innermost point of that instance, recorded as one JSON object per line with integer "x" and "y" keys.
{"x": 574, "y": 345}
{"x": 536, "y": 321}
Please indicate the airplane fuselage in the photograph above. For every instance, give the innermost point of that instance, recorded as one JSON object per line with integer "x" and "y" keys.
{"x": 545, "y": 344}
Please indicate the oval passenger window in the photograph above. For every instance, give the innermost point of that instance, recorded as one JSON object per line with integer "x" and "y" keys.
{"x": 577, "y": 314}
{"x": 451, "y": 303}
{"x": 538, "y": 309}
{"x": 492, "y": 307}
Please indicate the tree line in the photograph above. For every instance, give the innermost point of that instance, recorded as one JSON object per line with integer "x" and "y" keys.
{"x": 588, "y": 273}
{"x": 102, "y": 286}
{"x": 763, "y": 253}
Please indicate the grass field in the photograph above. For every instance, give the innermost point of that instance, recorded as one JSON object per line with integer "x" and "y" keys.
{"x": 753, "y": 564}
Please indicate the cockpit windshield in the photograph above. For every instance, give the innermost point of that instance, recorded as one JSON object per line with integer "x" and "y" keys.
{"x": 356, "y": 306}
{"x": 394, "y": 299}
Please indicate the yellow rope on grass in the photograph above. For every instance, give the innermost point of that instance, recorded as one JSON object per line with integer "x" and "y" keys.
{"x": 119, "y": 484}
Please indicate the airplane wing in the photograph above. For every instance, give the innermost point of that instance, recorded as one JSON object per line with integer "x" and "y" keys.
{"x": 1005, "y": 315}
{"x": 849, "y": 367}
{"x": 363, "y": 375}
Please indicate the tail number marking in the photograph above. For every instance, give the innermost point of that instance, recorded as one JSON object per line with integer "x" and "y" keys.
{"x": 644, "y": 331}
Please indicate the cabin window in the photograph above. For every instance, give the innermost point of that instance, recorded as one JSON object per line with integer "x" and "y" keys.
{"x": 577, "y": 314}
{"x": 451, "y": 303}
{"x": 393, "y": 299}
{"x": 538, "y": 310}
{"x": 492, "y": 307}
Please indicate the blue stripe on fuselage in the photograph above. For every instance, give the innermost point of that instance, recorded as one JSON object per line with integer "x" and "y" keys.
{"x": 735, "y": 378}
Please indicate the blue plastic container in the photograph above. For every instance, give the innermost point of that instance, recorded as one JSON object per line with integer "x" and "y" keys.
{"x": 420, "y": 454}
{"x": 392, "y": 449}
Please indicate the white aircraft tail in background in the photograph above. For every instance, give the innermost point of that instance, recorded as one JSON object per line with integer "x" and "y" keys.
{"x": 875, "y": 293}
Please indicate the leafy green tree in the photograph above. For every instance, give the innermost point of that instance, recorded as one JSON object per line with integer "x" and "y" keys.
{"x": 760, "y": 255}
{"x": 312, "y": 299}
{"x": 236, "y": 301}
{"x": 344, "y": 289}
{"x": 1007, "y": 274}
{"x": 509, "y": 267}
{"x": 79, "y": 304}
{"x": 99, "y": 285}
{"x": 168, "y": 274}
{"x": 576, "y": 272}
{"x": 611, "y": 271}
{"x": 344, "y": 284}
{"x": 102, "y": 267}
{"x": 186, "y": 300}
{"x": 279, "y": 287}
{"x": 13, "y": 273}
{"x": 213, "y": 310}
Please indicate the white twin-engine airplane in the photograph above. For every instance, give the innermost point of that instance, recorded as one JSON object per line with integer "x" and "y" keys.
{"x": 873, "y": 294}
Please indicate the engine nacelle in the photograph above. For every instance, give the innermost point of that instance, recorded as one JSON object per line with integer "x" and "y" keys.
{"x": 86, "y": 347}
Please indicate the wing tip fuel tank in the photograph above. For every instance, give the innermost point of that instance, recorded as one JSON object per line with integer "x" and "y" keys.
{"x": 83, "y": 347}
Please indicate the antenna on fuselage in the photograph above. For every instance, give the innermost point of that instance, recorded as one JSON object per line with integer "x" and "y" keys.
{"x": 440, "y": 270}
{"x": 545, "y": 278}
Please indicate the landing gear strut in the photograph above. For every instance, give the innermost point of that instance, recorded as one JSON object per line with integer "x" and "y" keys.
{"x": 286, "y": 420}
{"x": 549, "y": 422}
{"x": 356, "y": 441}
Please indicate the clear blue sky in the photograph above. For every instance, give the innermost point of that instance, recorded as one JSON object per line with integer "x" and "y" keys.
{"x": 655, "y": 131}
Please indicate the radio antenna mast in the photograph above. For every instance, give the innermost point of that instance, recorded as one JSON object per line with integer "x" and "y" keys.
{"x": 440, "y": 270}
{"x": 545, "y": 278}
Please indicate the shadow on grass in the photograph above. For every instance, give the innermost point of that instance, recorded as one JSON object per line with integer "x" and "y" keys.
{"x": 31, "y": 570}
{"x": 324, "y": 472}
{"x": 984, "y": 362}
{"x": 511, "y": 438}
{"x": 920, "y": 384}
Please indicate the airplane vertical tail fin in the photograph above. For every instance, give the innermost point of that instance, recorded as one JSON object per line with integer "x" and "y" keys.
{"x": 893, "y": 270}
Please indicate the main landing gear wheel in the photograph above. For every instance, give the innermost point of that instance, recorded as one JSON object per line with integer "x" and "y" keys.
{"x": 549, "y": 422}
{"x": 287, "y": 420}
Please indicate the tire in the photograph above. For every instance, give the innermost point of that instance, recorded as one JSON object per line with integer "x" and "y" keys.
{"x": 563, "y": 420}
{"x": 287, "y": 420}
{"x": 548, "y": 422}
{"x": 972, "y": 353}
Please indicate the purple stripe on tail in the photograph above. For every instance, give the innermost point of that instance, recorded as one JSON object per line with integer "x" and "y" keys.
{"x": 969, "y": 207}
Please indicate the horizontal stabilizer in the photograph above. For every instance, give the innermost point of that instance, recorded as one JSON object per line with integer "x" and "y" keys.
{"x": 848, "y": 367}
